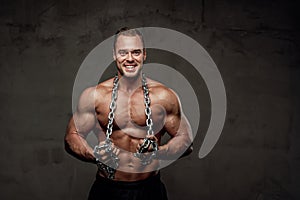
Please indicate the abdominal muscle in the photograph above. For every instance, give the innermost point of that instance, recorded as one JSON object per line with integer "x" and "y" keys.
{"x": 130, "y": 167}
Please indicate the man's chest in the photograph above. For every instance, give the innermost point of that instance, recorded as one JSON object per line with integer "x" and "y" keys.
{"x": 130, "y": 112}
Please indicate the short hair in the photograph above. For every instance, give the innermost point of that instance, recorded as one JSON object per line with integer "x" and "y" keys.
{"x": 128, "y": 32}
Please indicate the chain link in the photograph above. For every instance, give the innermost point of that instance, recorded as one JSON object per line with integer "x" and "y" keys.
{"x": 147, "y": 102}
{"x": 112, "y": 107}
{"x": 147, "y": 143}
{"x": 107, "y": 146}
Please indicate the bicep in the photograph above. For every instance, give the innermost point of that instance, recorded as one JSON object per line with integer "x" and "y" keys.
{"x": 83, "y": 120}
{"x": 171, "y": 125}
{"x": 173, "y": 113}
{"x": 177, "y": 124}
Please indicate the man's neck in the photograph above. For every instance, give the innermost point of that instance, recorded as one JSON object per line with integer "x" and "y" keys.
{"x": 130, "y": 84}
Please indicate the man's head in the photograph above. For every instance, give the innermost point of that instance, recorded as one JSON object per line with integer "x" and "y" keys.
{"x": 129, "y": 52}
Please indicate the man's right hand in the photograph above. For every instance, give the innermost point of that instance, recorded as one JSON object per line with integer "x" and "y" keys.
{"x": 107, "y": 157}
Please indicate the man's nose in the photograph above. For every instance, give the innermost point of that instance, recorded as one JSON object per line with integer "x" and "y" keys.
{"x": 129, "y": 56}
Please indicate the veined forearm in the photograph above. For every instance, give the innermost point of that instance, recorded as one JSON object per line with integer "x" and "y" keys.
{"x": 79, "y": 148}
{"x": 178, "y": 146}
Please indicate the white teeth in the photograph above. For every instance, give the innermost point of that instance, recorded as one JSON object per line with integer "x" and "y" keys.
{"x": 129, "y": 66}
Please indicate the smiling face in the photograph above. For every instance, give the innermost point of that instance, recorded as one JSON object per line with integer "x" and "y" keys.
{"x": 129, "y": 54}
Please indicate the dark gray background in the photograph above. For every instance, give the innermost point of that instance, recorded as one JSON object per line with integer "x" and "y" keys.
{"x": 255, "y": 44}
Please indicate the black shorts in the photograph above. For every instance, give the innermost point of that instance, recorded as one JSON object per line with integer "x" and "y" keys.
{"x": 149, "y": 189}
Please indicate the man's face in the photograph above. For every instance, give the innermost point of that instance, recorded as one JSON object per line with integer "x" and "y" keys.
{"x": 129, "y": 55}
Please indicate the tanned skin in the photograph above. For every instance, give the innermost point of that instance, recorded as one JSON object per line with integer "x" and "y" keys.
{"x": 129, "y": 127}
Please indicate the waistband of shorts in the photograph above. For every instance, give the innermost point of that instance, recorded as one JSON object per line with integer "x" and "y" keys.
{"x": 149, "y": 180}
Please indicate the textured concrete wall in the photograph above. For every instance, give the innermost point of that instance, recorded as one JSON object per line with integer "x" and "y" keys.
{"x": 255, "y": 44}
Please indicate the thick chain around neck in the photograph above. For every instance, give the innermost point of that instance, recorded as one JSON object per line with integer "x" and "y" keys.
{"x": 110, "y": 170}
{"x": 147, "y": 102}
{"x": 113, "y": 105}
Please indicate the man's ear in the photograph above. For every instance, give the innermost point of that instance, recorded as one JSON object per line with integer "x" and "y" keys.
{"x": 144, "y": 54}
{"x": 114, "y": 54}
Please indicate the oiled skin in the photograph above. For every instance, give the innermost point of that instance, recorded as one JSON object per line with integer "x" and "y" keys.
{"x": 129, "y": 127}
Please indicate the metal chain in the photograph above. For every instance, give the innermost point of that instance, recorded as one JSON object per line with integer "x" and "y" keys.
{"x": 107, "y": 146}
{"x": 147, "y": 102}
{"x": 112, "y": 107}
{"x": 147, "y": 143}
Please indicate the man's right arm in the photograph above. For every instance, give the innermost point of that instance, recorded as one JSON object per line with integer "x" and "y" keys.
{"x": 80, "y": 124}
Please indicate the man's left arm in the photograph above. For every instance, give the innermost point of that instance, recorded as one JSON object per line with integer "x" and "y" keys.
{"x": 178, "y": 127}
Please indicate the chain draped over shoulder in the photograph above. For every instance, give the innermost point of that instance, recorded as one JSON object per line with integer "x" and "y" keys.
{"x": 146, "y": 158}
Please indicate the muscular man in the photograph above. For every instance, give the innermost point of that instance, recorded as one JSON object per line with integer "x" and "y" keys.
{"x": 129, "y": 115}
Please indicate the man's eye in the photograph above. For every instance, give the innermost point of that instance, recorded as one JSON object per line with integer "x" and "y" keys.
{"x": 136, "y": 52}
{"x": 123, "y": 53}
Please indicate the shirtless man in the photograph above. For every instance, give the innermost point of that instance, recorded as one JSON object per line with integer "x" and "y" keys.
{"x": 129, "y": 115}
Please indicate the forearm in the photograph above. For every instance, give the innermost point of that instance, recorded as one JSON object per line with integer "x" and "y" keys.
{"x": 178, "y": 146}
{"x": 79, "y": 148}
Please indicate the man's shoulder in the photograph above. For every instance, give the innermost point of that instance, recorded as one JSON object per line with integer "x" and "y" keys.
{"x": 161, "y": 91}
{"x": 105, "y": 86}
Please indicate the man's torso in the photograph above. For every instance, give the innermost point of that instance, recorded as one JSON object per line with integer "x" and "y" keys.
{"x": 129, "y": 125}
